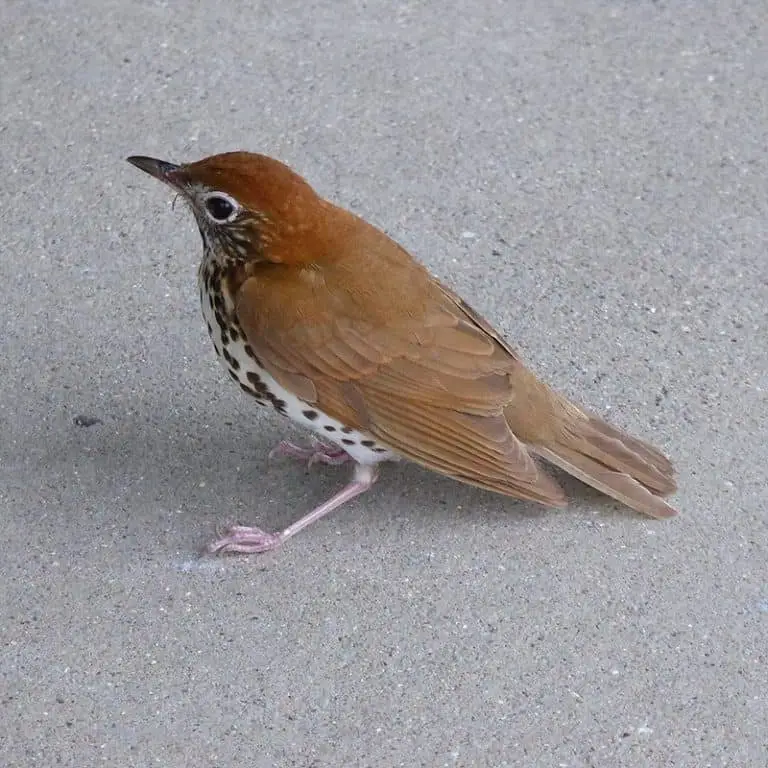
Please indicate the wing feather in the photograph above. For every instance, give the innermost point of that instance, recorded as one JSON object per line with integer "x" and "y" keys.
{"x": 432, "y": 386}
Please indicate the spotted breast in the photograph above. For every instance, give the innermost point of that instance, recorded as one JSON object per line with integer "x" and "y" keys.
{"x": 243, "y": 366}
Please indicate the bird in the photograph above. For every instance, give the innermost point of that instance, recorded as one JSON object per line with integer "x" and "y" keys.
{"x": 322, "y": 316}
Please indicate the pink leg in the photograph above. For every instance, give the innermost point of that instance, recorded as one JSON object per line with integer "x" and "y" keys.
{"x": 247, "y": 540}
{"x": 319, "y": 452}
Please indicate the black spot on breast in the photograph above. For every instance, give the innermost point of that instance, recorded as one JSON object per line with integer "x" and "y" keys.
{"x": 233, "y": 363}
{"x": 249, "y": 351}
{"x": 347, "y": 430}
{"x": 255, "y": 380}
{"x": 379, "y": 450}
{"x": 233, "y": 334}
{"x": 311, "y": 415}
{"x": 367, "y": 443}
{"x": 347, "y": 441}
{"x": 216, "y": 347}
{"x": 260, "y": 390}
{"x": 233, "y": 375}
{"x": 210, "y": 300}
{"x": 224, "y": 337}
{"x": 329, "y": 428}
{"x": 210, "y": 330}
{"x": 246, "y": 388}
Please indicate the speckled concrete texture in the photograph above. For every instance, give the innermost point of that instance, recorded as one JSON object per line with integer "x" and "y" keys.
{"x": 591, "y": 175}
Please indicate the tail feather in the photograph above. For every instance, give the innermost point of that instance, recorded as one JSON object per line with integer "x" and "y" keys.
{"x": 621, "y": 466}
{"x": 624, "y": 453}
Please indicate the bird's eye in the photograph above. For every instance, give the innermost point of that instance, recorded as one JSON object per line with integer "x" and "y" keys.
{"x": 220, "y": 208}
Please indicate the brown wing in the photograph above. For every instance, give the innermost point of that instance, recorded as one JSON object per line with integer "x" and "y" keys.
{"x": 414, "y": 367}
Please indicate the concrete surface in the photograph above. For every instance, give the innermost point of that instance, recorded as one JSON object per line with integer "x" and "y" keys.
{"x": 592, "y": 176}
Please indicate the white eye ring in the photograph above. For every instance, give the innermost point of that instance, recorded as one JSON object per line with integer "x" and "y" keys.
{"x": 220, "y": 207}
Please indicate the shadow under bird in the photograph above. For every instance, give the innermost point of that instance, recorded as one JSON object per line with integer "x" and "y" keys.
{"x": 322, "y": 316}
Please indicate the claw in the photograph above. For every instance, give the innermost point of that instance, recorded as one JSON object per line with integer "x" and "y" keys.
{"x": 318, "y": 453}
{"x": 242, "y": 539}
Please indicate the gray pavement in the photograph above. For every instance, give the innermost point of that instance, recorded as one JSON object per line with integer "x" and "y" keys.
{"x": 589, "y": 174}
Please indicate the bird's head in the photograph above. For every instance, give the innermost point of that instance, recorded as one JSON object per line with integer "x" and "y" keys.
{"x": 248, "y": 207}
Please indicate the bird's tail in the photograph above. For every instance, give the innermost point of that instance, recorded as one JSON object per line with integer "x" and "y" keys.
{"x": 630, "y": 470}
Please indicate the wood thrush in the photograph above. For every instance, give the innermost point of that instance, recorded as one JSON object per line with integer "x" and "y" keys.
{"x": 321, "y": 315}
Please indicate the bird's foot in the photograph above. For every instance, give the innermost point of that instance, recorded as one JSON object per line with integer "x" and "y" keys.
{"x": 245, "y": 540}
{"x": 241, "y": 539}
{"x": 318, "y": 453}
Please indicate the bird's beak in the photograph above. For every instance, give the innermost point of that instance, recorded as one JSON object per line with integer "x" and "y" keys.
{"x": 166, "y": 172}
